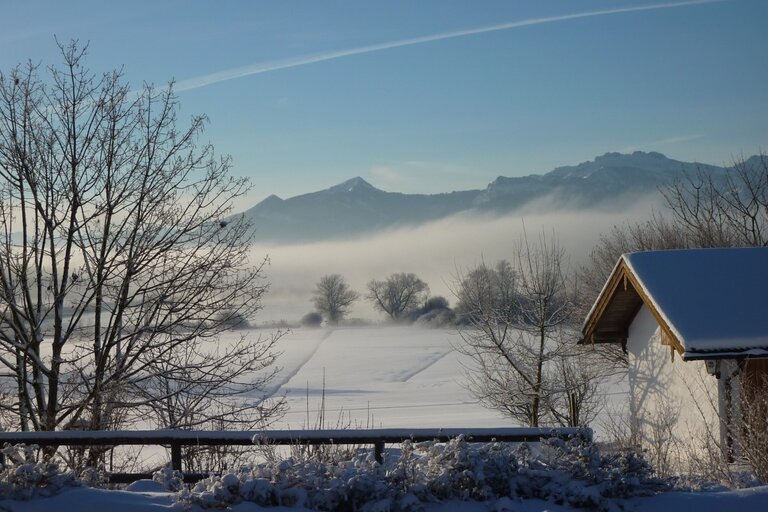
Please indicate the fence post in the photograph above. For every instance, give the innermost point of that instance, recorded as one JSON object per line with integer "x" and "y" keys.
{"x": 176, "y": 456}
{"x": 378, "y": 451}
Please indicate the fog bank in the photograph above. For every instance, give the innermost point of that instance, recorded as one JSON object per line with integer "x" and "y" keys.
{"x": 433, "y": 251}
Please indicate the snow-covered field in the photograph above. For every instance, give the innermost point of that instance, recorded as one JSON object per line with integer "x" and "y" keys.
{"x": 386, "y": 377}
{"x": 377, "y": 376}
{"x": 390, "y": 376}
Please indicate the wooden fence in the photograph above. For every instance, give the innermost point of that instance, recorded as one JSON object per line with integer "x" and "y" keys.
{"x": 175, "y": 439}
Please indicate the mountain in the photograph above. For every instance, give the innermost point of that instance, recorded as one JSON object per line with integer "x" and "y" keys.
{"x": 607, "y": 181}
{"x": 349, "y": 208}
{"x": 356, "y": 207}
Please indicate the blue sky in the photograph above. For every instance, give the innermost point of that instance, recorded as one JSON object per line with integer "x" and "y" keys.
{"x": 687, "y": 79}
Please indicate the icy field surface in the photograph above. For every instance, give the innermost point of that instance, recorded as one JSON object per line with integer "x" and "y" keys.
{"x": 391, "y": 376}
{"x": 97, "y": 500}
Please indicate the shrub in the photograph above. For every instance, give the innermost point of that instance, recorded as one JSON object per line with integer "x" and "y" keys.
{"x": 437, "y": 318}
{"x": 171, "y": 479}
{"x": 433, "y": 303}
{"x": 232, "y": 319}
{"x": 567, "y": 471}
{"x": 434, "y": 313}
{"x": 23, "y": 477}
{"x": 312, "y": 319}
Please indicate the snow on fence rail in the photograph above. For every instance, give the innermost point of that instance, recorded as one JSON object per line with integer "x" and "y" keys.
{"x": 175, "y": 439}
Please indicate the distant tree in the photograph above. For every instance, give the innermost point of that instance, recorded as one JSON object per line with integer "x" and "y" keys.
{"x": 312, "y": 319}
{"x": 398, "y": 295}
{"x": 434, "y": 303}
{"x": 234, "y": 319}
{"x": 333, "y": 297}
{"x": 487, "y": 288}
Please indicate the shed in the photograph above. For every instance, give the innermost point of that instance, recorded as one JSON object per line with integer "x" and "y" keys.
{"x": 694, "y": 323}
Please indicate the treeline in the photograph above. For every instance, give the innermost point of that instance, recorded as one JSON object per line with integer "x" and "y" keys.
{"x": 402, "y": 297}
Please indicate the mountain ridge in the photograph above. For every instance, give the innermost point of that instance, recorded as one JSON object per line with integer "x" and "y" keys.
{"x": 355, "y": 207}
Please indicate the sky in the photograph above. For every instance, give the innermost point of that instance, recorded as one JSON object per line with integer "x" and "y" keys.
{"x": 429, "y": 96}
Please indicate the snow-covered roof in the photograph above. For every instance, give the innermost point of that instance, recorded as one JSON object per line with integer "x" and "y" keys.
{"x": 711, "y": 302}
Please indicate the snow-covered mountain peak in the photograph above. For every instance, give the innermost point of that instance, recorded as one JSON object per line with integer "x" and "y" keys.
{"x": 355, "y": 184}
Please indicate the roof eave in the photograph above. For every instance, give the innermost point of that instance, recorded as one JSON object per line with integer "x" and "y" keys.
{"x": 725, "y": 354}
{"x": 623, "y": 273}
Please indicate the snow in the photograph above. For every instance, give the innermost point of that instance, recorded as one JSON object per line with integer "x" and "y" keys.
{"x": 406, "y": 378}
{"x": 714, "y": 300}
{"x": 99, "y": 500}
{"x": 96, "y": 500}
{"x": 743, "y": 500}
{"x": 145, "y": 485}
{"x": 390, "y": 377}
{"x": 353, "y": 184}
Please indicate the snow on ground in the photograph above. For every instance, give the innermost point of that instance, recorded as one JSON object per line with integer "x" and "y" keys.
{"x": 388, "y": 376}
{"x": 97, "y": 500}
{"x": 401, "y": 376}
{"x": 375, "y": 376}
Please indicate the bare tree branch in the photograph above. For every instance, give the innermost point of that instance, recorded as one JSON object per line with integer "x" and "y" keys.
{"x": 116, "y": 262}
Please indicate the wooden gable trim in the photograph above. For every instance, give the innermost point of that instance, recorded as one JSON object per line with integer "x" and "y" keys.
{"x": 623, "y": 276}
{"x": 602, "y": 303}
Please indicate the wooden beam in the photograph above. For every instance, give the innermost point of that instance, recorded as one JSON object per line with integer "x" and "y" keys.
{"x": 622, "y": 274}
{"x": 604, "y": 299}
{"x": 377, "y": 437}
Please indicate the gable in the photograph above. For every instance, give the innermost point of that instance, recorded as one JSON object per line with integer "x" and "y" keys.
{"x": 709, "y": 303}
{"x": 616, "y": 307}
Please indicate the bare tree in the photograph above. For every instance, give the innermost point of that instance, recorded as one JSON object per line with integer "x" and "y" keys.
{"x": 703, "y": 210}
{"x": 488, "y": 289}
{"x": 751, "y": 428}
{"x": 333, "y": 297}
{"x": 116, "y": 251}
{"x": 727, "y": 211}
{"x": 209, "y": 384}
{"x": 520, "y": 353}
{"x": 398, "y": 295}
{"x": 654, "y": 234}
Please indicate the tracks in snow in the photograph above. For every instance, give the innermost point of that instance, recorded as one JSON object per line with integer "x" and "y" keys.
{"x": 284, "y": 380}
{"x": 405, "y": 377}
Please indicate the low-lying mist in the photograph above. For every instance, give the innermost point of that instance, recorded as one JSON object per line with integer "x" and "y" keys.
{"x": 433, "y": 251}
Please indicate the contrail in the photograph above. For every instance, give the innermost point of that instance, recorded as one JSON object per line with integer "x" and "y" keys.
{"x": 255, "y": 69}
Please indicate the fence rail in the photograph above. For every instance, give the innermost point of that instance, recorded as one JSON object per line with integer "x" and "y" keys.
{"x": 175, "y": 439}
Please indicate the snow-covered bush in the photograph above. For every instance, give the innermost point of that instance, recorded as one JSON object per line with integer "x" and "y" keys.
{"x": 585, "y": 478}
{"x": 93, "y": 477}
{"x": 24, "y": 477}
{"x": 171, "y": 479}
{"x": 436, "y": 318}
{"x": 568, "y": 471}
{"x": 434, "y": 313}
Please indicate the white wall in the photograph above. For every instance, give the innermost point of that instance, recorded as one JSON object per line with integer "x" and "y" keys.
{"x": 673, "y": 404}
